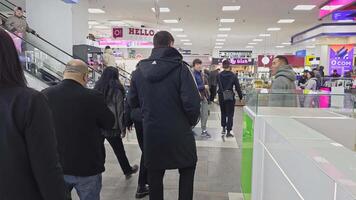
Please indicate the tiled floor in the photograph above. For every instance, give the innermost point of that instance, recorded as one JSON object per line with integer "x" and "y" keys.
{"x": 218, "y": 171}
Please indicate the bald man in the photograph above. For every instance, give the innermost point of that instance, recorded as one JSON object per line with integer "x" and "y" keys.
{"x": 79, "y": 116}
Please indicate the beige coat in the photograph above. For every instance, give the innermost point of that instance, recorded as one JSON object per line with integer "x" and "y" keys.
{"x": 109, "y": 58}
{"x": 20, "y": 25}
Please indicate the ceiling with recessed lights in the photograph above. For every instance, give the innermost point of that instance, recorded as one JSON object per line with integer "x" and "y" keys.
{"x": 203, "y": 25}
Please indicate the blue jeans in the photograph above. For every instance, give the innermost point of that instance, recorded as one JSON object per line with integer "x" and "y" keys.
{"x": 88, "y": 188}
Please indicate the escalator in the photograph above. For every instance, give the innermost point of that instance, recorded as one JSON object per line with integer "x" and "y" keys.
{"x": 43, "y": 60}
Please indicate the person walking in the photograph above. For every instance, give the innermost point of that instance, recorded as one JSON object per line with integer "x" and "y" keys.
{"x": 283, "y": 84}
{"x": 80, "y": 115}
{"x": 227, "y": 80}
{"x": 203, "y": 86}
{"x": 311, "y": 87}
{"x": 17, "y": 23}
{"x": 114, "y": 93}
{"x": 29, "y": 160}
{"x": 164, "y": 88}
{"x": 213, "y": 84}
{"x": 109, "y": 58}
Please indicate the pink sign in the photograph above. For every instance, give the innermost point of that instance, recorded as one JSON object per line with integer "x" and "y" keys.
{"x": 117, "y": 32}
{"x": 332, "y": 6}
{"x": 124, "y": 43}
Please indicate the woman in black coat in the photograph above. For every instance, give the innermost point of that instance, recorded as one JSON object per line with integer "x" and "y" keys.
{"x": 29, "y": 163}
{"x": 114, "y": 93}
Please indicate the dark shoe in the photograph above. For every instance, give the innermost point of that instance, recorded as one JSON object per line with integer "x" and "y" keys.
{"x": 229, "y": 134}
{"x": 223, "y": 131}
{"x": 142, "y": 192}
{"x": 205, "y": 134}
{"x": 134, "y": 170}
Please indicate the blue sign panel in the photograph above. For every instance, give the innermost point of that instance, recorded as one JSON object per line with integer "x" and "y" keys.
{"x": 71, "y": 1}
{"x": 344, "y": 15}
{"x": 301, "y": 53}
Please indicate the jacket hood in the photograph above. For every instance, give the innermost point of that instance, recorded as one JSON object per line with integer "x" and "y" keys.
{"x": 286, "y": 71}
{"x": 227, "y": 74}
{"x": 161, "y": 62}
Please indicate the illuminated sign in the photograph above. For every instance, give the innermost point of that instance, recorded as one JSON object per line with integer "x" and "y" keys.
{"x": 341, "y": 58}
{"x": 332, "y": 6}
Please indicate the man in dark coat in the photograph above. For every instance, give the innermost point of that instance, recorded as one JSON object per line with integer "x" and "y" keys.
{"x": 164, "y": 88}
{"x": 80, "y": 115}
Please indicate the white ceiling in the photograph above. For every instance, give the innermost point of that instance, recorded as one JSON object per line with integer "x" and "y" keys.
{"x": 198, "y": 18}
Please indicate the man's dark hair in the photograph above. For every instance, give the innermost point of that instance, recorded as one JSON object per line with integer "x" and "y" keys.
{"x": 312, "y": 74}
{"x": 107, "y": 47}
{"x": 197, "y": 62}
{"x": 19, "y": 8}
{"x": 335, "y": 70}
{"x": 283, "y": 59}
{"x": 226, "y": 64}
{"x": 162, "y": 39}
{"x": 11, "y": 73}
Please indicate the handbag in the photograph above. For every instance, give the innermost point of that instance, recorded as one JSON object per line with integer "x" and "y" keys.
{"x": 228, "y": 95}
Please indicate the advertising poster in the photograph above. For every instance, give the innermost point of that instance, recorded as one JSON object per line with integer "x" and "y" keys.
{"x": 341, "y": 58}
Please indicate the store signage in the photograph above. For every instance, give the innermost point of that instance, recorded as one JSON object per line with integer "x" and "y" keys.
{"x": 341, "y": 58}
{"x": 71, "y": 1}
{"x": 332, "y": 6}
{"x": 265, "y": 60}
{"x": 301, "y": 53}
{"x": 124, "y": 43}
{"x": 234, "y": 61}
{"x": 131, "y": 33}
{"x": 344, "y": 15}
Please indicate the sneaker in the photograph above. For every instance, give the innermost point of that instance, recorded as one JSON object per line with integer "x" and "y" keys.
{"x": 229, "y": 134}
{"x": 223, "y": 131}
{"x": 134, "y": 170}
{"x": 205, "y": 134}
{"x": 142, "y": 192}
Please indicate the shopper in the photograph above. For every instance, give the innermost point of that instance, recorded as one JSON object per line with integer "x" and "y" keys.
{"x": 109, "y": 58}
{"x": 227, "y": 80}
{"x": 213, "y": 84}
{"x": 335, "y": 74}
{"x": 203, "y": 86}
{"x": 283, "y": 84}
{"x": 303, "y": 79}
{"x": 17, "y": 23}
{"x": 29, "y": 163}
{"x": 165, "y": 90}
{"x": 114, "y": 93}
{"x": 311, "y": 87}
{"x": 80, "y": 115}
{"x": 134, "y": 117}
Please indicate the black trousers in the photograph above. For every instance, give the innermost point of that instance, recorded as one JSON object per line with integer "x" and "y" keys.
{"x": 213, "y": 90}
{"x": 142, "y": 177}
{"x": 119, "y": 150}
{"x": 227, "y": 109}
{"x": 186, "y": 183}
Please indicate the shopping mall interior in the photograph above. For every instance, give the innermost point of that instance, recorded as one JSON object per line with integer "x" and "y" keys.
{"x": 294, "y": 126}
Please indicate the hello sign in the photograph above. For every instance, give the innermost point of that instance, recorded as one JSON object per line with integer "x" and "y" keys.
{"x": 130, "y": 33}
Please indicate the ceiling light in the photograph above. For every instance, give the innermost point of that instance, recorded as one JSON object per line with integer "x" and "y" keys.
{"x": 113, "y": 22}
{"x": 227, "y": 20}
{"x": 93, "y": 22}
{"x": 286, "y": 43}
{"x": 265, "y": 35}
{"x": 220, "y": 40}
{"x": 249, "y": 47}
{"x": 224, "y": 29}
{"x": 96, "y": 11}
{"x": 222, "y": 35}
{"x": 304, "y": 7}
{"x": 185, "y": 40}
{"x": 286, "y": 21}
{"x": 188, "y": 44}
{"x": 274, "y": 29}
{"x": 310, "y": 47}
{"x": 177, "y": 30}
{"x": 101, "y": 27}
{"x": 258, "y": 40}
{"x": 331, "y": 7}
{"x": 182, "y": 36}
{"x": 162, "y": 10}
{"x": 279, "y": 47}
{"x": 170, "y": 21}
{"x": 219, "y": 43}
{"x": 218, "y": 47}
{"x": 231, "y": 8}
{"x": 252, "y": 43}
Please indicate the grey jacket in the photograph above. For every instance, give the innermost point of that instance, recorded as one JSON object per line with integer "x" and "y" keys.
{"x": 311, "y": 84}
{"x": 283, "y": 88}
{"x": 18, "y": 24}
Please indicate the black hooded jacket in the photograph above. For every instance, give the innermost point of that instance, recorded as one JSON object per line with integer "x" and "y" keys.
{"x": 227, "y": 81}
{"x": 164, "y": 88}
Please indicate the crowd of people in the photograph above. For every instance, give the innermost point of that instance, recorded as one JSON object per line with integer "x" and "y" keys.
{"x": 52, "y": 141}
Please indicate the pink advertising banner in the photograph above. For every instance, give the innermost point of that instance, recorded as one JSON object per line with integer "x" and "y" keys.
{"x": 332, "y": 6}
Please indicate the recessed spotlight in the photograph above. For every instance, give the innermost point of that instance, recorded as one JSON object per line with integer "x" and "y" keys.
{"x": 227, "y": 20}
{"x": 279, "y": 47}
{"x": 219, "y": 43}
{"x": 218, "y": 47}
{"x": 220, "y": 40}
{"x": 162, "y": 10}
{"x": 170, "y": 21}
{"x": 224, "y": 29}
{"x": 177, "y": 30}
{"x": 265, "y": 35}
{"x": 222, "y": 35}
{"x": 286, "y": 43}
{"x": 304, "y": 7}
{"x": 185, "y": 40}
{"x": 286, "y": 21}
{"x": 231, "y": 8}
{"x": 252, "y": 43}
{"x": 182, "y": 36}
{"x": 274, "y": 29}
{"x": 188, "y": 44}
{"x": 258, "y": 40}
{"x": 101, "y": 27}
{"x": 250, "y": 47}
{"x": 96, "y": 11}
{"x": 93, "y": 22}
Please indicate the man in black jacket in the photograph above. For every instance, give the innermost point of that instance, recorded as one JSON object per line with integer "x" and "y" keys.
{"x": 79, "y": 116}
{"x": 164, "y": 88}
